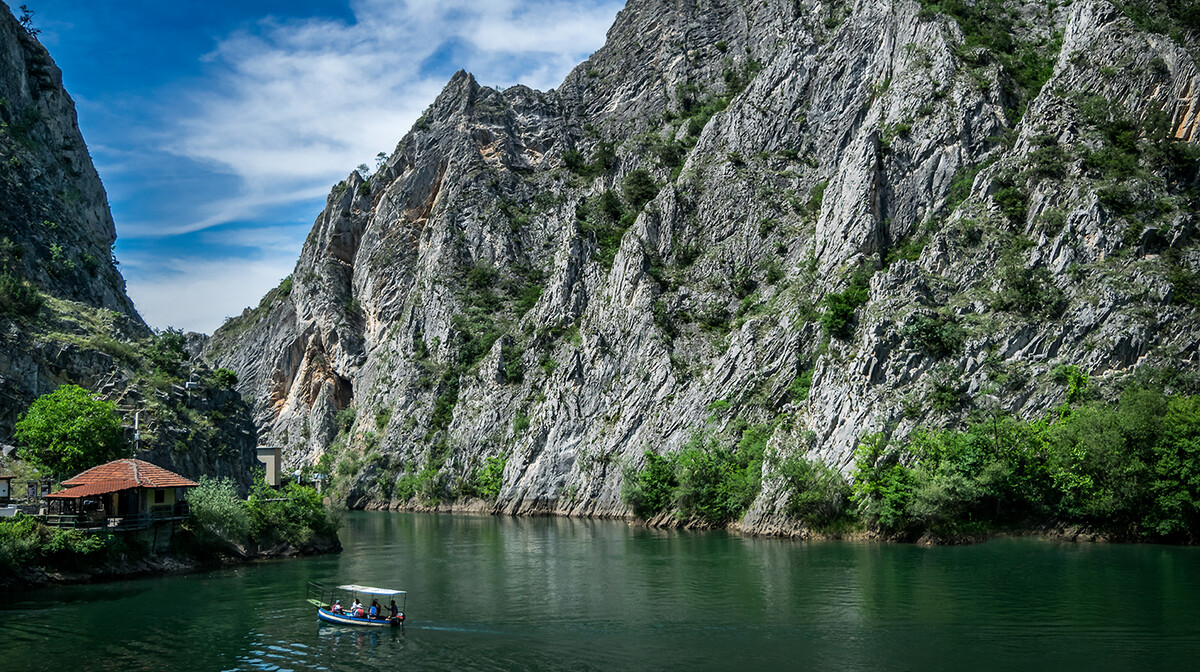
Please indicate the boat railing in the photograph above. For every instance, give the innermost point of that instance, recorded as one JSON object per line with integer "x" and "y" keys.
{"x": 317, "y": 594}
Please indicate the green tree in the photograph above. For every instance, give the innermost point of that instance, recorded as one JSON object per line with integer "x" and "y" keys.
{"x": 651, "y": 489}
{"x": 491, "y": 477}
{"x": 168, "y": 352}
{"x": 69, "y": 430}
{"x": 818, "y": 494}
{"x": 717, "y": 483}
{"x": 638, "y": 188}
{"x": 18, "y": 297}
{"x": 226, "y": 378}
{"x": 838, "y": 319}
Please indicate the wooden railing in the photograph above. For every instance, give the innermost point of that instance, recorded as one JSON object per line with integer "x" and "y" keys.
{"x": 139, "y": 521}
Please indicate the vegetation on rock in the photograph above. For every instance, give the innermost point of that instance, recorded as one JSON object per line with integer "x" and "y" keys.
{"x": 1130, "y": 469}
{"x": 708, "y": 480}
{"x": 26, "y": 542}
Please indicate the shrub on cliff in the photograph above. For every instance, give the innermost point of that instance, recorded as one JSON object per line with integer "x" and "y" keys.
{"x": 638, "y": 188}
{"x": 492, "y": 476}
{"x": 706, "y": 481}
{"x": 168, "y": 352}
{"x": 717, "y": 482}
{"x": 18, "y": 297}
{"x": 1131, "y": 469}
{"x": 651, "y": 489}
{"x": 225, "y": 378}
{"x": 292, "y": 515}
{"x": 20, "y": 542}
{"x": 838, "y": 319}
{"x": 819, "y": 494}
{"x": 939, "y": 335}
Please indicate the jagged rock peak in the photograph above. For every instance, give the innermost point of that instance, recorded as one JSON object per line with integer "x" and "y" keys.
{"x": 808, "y": 219}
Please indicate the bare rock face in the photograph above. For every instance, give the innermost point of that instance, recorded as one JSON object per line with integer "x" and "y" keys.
{"x": 64, "y": 314}
{"x": 509, "y": 288}
{"x": 56, "y": 235}
{"x": 54, "y": 219}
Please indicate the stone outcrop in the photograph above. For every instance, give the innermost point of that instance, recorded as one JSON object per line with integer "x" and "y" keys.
{"x": 497, "y": 290}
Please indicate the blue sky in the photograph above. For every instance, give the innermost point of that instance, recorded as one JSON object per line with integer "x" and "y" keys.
{"x": 218, "y": 128}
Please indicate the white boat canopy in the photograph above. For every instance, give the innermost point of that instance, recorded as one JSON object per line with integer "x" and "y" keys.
{"x": 354, "y": 588}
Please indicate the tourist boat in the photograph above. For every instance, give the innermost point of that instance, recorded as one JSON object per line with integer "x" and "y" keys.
{"x": 322, "y": 597}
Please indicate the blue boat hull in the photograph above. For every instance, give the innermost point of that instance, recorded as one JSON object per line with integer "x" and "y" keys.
{"x": 342, "y": 619}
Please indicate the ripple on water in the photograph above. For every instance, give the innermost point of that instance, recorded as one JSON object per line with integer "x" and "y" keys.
{"x": 546, "y": 594}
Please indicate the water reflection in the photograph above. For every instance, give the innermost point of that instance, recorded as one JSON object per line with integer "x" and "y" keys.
{"x": 336, "y": 637}
{"x": 543, "y": 593}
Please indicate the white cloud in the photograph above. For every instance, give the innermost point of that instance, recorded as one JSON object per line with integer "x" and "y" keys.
{"x": 197, "y": 295}
{"x": 258, "y": 237}
{"x": 236, "y": 207}
{"x": 293, "y": 106}
{"x": 286, "y": 108}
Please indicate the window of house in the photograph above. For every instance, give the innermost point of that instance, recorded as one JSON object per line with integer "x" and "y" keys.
{"x": 160, "y": 496}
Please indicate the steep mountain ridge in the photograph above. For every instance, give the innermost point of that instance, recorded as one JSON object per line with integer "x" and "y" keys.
{"x": 799, "y": 222}
{"x": 64, "y": 314}
{"x": 55, "y": 216}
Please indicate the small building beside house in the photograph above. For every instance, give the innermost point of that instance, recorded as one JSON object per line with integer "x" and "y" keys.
{"x": 5, "y": 489}
{"x": 271, "y": 458}
{"x": 125, "y": 494}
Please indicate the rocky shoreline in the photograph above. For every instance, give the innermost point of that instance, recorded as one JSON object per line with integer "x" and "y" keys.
{"x": 798, "y": 532}
{"x": 31, "y": 578}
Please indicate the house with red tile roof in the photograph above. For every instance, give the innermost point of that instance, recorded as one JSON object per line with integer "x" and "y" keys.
{"x": 122, "y": 494}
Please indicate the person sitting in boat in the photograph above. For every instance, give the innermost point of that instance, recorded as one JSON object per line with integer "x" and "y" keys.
{"x": 395, "y": 611}
{"x": 337, "y": 607}
{"x": 356, "y": 609}
{"x": 376, "y": 609}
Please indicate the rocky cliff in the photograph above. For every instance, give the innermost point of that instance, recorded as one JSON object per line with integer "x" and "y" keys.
{"x": 813, "y": 220}
{"x": 64, "y": 314}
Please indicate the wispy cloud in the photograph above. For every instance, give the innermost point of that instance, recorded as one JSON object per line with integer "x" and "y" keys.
{"x": 285, "y": 107}
{"x": 197, "y": 295}
{"x": 293, "y": 105}
{"x": 258, "y": 237}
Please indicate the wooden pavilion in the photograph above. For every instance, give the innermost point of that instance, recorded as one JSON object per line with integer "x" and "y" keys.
{"x": 125, "y": 494}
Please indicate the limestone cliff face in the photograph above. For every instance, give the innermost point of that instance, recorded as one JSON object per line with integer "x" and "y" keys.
{"x": 56, "y": 233}
{"x": 64, "y": 314}
{"x": 497, "y": 288}
{"x": 55, "y": 221}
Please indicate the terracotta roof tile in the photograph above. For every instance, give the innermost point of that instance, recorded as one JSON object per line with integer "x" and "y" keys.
{"x": 93, "y": 488}
{"x": 139, "y": 472}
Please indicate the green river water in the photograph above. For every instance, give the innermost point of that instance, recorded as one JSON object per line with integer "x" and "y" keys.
{"x": 496, "y": 593}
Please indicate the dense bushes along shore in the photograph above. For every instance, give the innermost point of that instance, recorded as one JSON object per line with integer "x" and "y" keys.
{"x": 291, "y": 516}
{"x": 222, "y": 524}
{"x": 1129, "y": 469}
